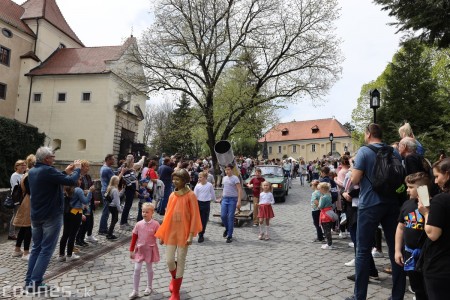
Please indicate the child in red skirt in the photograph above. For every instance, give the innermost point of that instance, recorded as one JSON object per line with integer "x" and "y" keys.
{"x": 265, "y": 211}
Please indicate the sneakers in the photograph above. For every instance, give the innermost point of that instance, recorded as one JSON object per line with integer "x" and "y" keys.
{"x": 81, "y": 243}
{"x": 343, "y": 235}
{"x": 25, "y": 257}
{"x": 225, "y": 233}
{"x": 62, "y": 258}
{"x": 73, "y": 257}
{"x": 111, "y": 237}
{"x": 133, "y": 295}
{"x": 102, "y": 233}
{"x": 229, "y": 239}
{"x": 351, "y": 245}
{"x": 327, "y": 247}
{"x": 350, "y": 263}
{"x": 376, "y": 254}
{"x": 261, "y": 236}
{"x": 17, "y": 253}
{"x": 91, "y": 239}
{"x": 35, "y": 290}
{"x": 148, "y": 291}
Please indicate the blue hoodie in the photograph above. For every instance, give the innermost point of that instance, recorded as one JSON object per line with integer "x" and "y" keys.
{"x": 46, "y": 191}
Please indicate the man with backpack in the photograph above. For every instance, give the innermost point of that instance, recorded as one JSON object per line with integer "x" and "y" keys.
{"x": 378, "y": 171}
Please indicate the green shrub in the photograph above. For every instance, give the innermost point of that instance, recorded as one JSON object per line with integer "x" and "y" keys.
{"x": 17, "y": 141}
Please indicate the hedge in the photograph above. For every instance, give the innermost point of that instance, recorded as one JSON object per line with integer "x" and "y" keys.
{"x": 17, "y": 141}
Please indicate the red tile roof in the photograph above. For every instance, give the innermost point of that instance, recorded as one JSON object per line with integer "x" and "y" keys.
{"x": 302, "y": 130}
{"x": 79, "y": 61}
{"x": 48, "y": 10}
{"x": 11, "y": 13}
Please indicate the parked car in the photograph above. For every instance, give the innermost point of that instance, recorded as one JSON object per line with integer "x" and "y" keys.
{"x": 275, "y": 175}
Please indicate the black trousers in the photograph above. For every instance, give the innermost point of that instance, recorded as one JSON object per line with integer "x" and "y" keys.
{"x": 205, "y": 207}
{"x": 86, "y": 227}
{"x": 417, "y": 285}
{"x": 114, "y": 218}
{"x": 71, "y": 225}
{"x": 25, "y": 237}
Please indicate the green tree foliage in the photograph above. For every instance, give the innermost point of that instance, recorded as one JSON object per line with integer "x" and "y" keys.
{"x": 17, "y": 141}
{"x": 192, "y": 44}
{"x": 178, "y": 133}
{"x": 431, "y": 18}
{"x": 415, "y": 88}
{"x": 410, "y": 93}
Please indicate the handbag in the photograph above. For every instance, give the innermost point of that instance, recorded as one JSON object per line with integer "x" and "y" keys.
{"x": 8, "y": 202}
{"x": 334, "y": 216}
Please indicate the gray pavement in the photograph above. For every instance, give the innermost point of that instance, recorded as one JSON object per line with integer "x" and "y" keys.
{"x": 288, "y": 266}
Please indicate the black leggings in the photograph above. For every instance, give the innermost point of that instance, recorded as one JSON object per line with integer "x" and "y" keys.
{"x": 86, "y": 227}
{"x": 114, "y": 218}
{"x": 71, "y": 225}
{"x": 25, "y": 237}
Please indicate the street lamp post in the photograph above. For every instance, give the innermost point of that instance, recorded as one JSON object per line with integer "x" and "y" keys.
{"x": 374, "y": 103}
{"x": 331, "y": 142}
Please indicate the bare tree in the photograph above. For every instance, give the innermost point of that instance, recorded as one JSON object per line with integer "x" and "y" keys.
{"x": 193, "y": 43}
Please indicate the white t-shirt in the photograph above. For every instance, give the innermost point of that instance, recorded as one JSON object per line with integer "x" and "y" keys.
{"x": 266, "y": 198}
{"x": 229, "y": 186}
{"x": 204, "y": 192}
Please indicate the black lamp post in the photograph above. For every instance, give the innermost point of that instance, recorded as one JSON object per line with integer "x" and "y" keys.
{"x": 331, "y": 142}
{"x": 374, "y": 103}
{"x": 265, "y": 154}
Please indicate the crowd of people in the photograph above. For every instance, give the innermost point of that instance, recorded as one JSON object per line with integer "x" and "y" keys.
{"x": 413, "y": 221}
{"x": 343, "y": 201}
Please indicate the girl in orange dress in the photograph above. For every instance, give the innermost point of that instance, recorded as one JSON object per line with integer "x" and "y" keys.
{"x": 181, "y": 223}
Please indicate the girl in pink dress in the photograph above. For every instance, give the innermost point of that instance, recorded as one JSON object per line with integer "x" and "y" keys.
{"x": 144, "y": 248}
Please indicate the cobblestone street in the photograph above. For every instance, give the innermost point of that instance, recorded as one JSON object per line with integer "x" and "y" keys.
{"x": 288, "y": 266}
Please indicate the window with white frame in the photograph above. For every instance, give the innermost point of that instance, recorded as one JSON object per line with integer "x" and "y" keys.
{"x": 294, "y": 148}
{"x": 270, "y": 149}
{"x": 279, "y": 149}
{"x": 313, "y": 148}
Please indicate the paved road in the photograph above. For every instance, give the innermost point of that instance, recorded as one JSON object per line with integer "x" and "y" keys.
{"x": 289, "y": 266}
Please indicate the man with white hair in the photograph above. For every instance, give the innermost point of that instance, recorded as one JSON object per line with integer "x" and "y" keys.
{"x": 47, "y": 207}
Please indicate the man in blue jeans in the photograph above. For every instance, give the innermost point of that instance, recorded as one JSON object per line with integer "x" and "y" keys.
{"x": 47, "y": 207}
{"x": 374, "y": 209}
{"x": 106, "y": 173}
{"x": 231, "y": 199}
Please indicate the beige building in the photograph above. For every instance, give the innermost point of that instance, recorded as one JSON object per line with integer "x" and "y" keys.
{"x": 74, "y": 94}
{"x": 308, "y": 140}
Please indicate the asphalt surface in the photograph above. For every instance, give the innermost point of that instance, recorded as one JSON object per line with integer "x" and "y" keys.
{"x": 288, "y": 266}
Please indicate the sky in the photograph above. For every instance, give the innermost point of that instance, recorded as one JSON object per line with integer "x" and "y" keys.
{"x": 368, "y": 45}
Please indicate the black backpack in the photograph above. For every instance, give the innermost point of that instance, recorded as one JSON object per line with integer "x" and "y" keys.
{"x": 17, "y": 194}
{"x": 108, "y": 197}
{"x": 388, "y": 177}
{"x": 334, "y": 191}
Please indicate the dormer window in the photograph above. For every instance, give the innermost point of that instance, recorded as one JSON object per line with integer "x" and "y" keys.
{"x": 284, "y": 132}
{"x": 315, "y": 129}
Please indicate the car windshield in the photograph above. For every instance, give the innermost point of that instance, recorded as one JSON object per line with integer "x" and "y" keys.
{"x": 271, "y": 170}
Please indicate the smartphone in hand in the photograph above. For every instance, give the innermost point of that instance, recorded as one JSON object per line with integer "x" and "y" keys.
{"x": 424, "y": 195}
